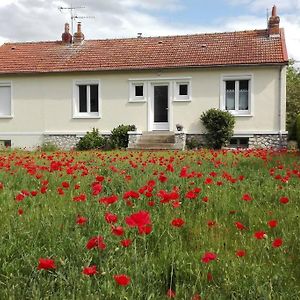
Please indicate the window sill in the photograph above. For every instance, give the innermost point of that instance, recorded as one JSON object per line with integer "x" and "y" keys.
{"x": 86, "y": 117}
{"x": 6, "y": 117}
{"x": 182, "y": 100}
{"x": 240, "y": 114}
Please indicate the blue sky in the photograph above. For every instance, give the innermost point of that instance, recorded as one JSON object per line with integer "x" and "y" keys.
{"x": 35, "y": 20}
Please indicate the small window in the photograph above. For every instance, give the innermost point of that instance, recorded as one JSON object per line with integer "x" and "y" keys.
{"x": 182, "y": 91}
{"x": 5, "y": 100}
{"x": 239, "y": 142}
{"x": 137, "y": 92}
{"x": 87, "y": 100}
{"x": 5, "y": 143}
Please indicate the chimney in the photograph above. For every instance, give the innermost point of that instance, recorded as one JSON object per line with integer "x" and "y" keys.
{"x": 67, "y": 36}
{"x": 273, "y": 24}
{"x": 78, "y": 36}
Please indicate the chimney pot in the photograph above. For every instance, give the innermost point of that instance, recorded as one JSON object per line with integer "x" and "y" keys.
{"x": 78, "y": 36}
{"x": 273, "y": 24}
{"x": 67, "y": 36}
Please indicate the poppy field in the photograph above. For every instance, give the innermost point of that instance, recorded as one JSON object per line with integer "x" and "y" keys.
{"x": 150, "y": 225}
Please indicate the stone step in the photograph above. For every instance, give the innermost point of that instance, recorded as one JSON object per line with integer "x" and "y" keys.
{"x": 157, "y": 139}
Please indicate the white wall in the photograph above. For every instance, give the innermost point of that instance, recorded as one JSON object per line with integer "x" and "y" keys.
{"x": 43, "y": 103}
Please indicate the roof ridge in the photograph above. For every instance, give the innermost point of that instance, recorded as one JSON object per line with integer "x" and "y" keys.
{"x": 144, "y": 37}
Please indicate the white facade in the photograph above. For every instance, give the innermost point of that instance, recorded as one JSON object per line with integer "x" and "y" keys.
{"x": 48, "y": 103}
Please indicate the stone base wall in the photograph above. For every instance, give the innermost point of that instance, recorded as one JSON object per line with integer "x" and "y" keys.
{"x": 180, "y": 140}
{"x": 64, "y": 142}
{"x": 275, "y": 141}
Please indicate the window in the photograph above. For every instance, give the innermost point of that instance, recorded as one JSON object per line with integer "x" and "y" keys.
{"x": 137, "y": 92}
{"x": 239, "y": 142}
{"x": 5, "y": 100}
{"x": 5, "y": 144}
{"x": 237, "y": 95}
{"x": 182, "y": 91}
{"x": 87, "y": 100}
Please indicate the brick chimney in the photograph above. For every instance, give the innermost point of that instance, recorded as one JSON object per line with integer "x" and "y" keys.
{"x": 78, "y": 36}
{"x": 67, "y": 36}
{"x": 273, "y": 24}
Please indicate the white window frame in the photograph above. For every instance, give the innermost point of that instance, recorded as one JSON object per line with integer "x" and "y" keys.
{"x": 183, "y": 98}
{"x": 88, "y": 114}
{"x": 8, "y": 84}
{"x": 132, "y": 96}
{"x": 237, "y": 78}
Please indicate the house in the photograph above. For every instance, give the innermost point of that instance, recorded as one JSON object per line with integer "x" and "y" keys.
{"x": 57, "y": 90}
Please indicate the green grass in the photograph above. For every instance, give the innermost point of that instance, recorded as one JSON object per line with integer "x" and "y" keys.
{"x": 168, "y": 257}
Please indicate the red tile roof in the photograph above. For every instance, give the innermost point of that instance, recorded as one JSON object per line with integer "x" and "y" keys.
{"x": 199, "y": 50}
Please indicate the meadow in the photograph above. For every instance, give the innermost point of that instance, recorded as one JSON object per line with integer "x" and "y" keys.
{"x": 150, "y": 225}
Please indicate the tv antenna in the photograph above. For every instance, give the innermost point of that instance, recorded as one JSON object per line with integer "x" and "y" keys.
{"x": 74, "y": 16}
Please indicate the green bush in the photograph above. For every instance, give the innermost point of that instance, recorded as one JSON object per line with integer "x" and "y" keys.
{"x": 298, "y": 130}
{"x": 193, "y": 144}
{"x": 219, "y": 127}
{"x": 119, "y": 136}
{"x": 92, "y": 140}
{"x": 292, "y": 131}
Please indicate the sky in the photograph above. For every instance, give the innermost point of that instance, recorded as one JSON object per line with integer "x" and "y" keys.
{"x": 40, "y": 20}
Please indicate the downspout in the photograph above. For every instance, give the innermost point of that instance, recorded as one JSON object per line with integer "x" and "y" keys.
{"x": 280, "y": 109}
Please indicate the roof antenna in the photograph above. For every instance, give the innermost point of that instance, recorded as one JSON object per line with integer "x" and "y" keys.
{"x": 267, "y": 17}
{"x": 74, "y": 16}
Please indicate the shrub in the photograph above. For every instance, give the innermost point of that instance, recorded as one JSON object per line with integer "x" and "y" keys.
{"x": 119, "y": 136}
{"x": 192, "y": 144}
{"x": 292, "y": 130}
{"x": 298, "y": 130}
{"x": 219, "y": 126}
{"x": 92, "y": 140}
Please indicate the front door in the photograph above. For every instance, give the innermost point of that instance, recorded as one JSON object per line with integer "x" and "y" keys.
{"x": 160, "y": 107}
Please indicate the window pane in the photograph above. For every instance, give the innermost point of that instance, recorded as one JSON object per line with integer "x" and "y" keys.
{"x": 230, "y": 95}
{"x": 94, "y": 98}
{"x": 5, "y": 101}
{"x": 139, "y": 91}
{"x": 183, "y": 89}
{"x": 243, "y": 94}
{"x": 82, "y": 98}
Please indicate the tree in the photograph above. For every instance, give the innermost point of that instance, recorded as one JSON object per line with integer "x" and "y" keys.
{"x": 292, "y": 98}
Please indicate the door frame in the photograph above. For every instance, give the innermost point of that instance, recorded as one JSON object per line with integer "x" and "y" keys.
{"x": 151, "y": 86}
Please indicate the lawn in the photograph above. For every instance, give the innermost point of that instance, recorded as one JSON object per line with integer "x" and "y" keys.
{"x": 150, "y": 225}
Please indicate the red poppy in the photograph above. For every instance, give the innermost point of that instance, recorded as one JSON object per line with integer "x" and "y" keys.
{"x": 117, "y": 230}
{"x": 46, "y": 264}
{"x": 81, "y": 220}
{"x": 138, "y": 219}
{"x": 20, "y": 197}
{"x": 171, "y": 293}
{"x": 96, "y": 242}
{"x": 284, "y": 200}
{"x": 126, "y": 243}
{"x": 92, "y": 270}
{"x": 240, "y": 226}
{"x": 240, "y": 253}
{"x": 209, "y": 276}
{"x": 208, "y": 256}
{"x": 191, "y": 195}
{"x": 205, "y": 199}
{"x": 109, "y": 200}
{"x": 65, "y": 184}
{"x": 122, "y": 279}
{"x": 277, "y": 243}
{"x": 110, "y": 218}
{"x": 177, "y": 222}
{"x": 260, "y": 235}
{"x": 247, "y": 197}
{"x": 20, "y": 211}
{"x": 147, "y": 229}
{"x": 272, "y": 223}
{"x": 96, "y": 188}
{"x": 211, "y": 223}
{"x": 196, "y": 297}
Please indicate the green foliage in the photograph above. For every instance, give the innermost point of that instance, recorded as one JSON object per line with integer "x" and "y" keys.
{"x": 48, "y": 147}
{"x": 292, "y": 99}
{"x": 298, "y": 130}
{"x": 92, "y": 140}
{"x": 192, "y": 144}
{"x": 219, "y": 126}
{"x": 119, "y": 136}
